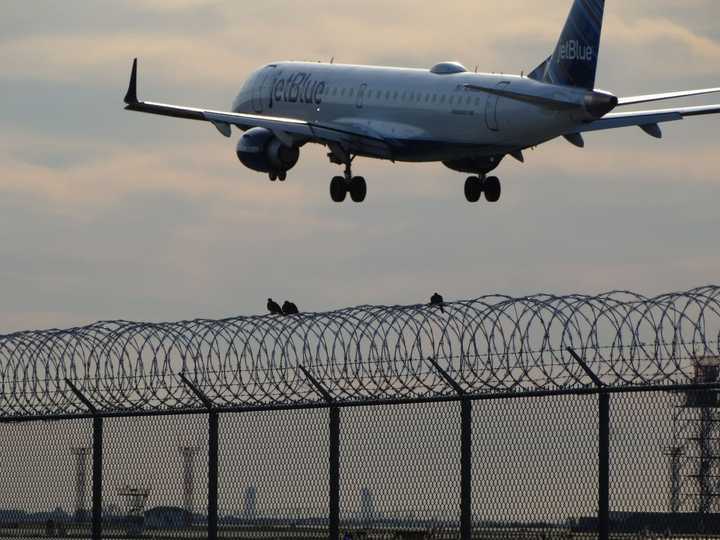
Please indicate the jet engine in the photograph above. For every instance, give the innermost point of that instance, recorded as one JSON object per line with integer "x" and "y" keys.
{"x": 260, "y": 150}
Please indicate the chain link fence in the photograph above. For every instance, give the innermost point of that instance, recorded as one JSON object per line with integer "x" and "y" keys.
{"x": 535, "y": 471}
{"x": 542, "y": 417}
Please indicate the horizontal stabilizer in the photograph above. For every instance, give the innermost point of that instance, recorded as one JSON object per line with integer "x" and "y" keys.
{"x": 635, "y": 100}
{"x": 647, "y": 120}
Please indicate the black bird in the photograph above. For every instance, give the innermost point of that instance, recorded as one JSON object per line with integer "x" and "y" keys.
{"x": 437, "y": 300}
{"x": 273, "y": 307}
{"x": 289, "y": 308}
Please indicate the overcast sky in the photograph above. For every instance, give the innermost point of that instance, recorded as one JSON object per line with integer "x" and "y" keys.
{"x": 110, "y": 214}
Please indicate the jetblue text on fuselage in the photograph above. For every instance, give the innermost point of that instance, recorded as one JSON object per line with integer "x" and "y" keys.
{"x": 297, "y": 88}
{"x": 574, "y": 50}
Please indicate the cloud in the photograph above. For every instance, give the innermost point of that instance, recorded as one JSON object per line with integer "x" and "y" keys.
{"x": 98, "y": 174}
{"x": 646, "y": 161}
{"x": 165, "y": 6}
{"x": 107, "y": 214}
{"x": 683, "y": 52}
{"x": 78, "y": 58}
{"x": 235, "y": 38}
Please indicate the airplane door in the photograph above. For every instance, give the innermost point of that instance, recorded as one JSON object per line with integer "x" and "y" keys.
{"x": 361, "y": 96}
{"x": 491, "y": 118}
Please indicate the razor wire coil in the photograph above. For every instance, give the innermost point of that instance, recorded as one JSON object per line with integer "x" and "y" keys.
{"x": 494, "y": 344}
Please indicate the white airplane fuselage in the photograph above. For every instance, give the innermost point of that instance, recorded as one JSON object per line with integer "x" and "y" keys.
{"x": 428, "y": 116}
{"x": 468, "y": 121}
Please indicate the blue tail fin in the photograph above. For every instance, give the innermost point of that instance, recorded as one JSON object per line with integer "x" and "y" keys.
{"x": 574, "y": 62}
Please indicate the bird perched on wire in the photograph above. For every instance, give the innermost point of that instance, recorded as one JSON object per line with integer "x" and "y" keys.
{"x": 289, "y": 308}
{"x": 437, "y": 300}
{"x": 273, "y": 307}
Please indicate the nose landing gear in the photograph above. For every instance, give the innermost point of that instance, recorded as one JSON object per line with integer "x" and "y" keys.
{"x": 475, "y": 186}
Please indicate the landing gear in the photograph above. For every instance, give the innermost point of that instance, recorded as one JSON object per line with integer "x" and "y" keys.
{"x": 282, "y": 175}
{"x": 338, "y": 189}
{"x": 492, "y": 189}
{"x": 341, "y": 186}
{"x": 358, "y": 189}
{"x": 477, "y": 185}
{"x": 473, "y": 189}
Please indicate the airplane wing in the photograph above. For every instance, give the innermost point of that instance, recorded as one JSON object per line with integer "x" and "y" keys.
{"x": 635, "y": 100}
{"x": 289, "y": 130}
{"x": 646, "y": 120}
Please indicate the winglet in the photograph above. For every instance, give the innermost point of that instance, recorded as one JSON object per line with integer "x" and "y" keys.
{"x": 131, "y": 96}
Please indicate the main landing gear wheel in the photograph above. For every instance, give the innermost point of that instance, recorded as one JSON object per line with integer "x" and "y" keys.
{"x": 338, "y": 189}
{"x": 358, "y": 189}
{"x": 473, "y": 189}
{"x": 492, "y": 189}
{"x": 475, "y": 186}
{"x": 341, "y": 186}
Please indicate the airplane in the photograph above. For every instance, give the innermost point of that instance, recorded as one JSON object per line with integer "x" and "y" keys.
{"x": 468, "y": 121}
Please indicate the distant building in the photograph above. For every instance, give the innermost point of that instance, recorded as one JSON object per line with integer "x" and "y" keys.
{"x": 655, "y": 522}
{"x": 250, "y": 507}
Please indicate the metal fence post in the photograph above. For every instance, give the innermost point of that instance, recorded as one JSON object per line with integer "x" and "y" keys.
{"x": 466, "y": 470}
{"x": 604, "y": 467}
{"x": 213, "y": 451}
{"x": 334, "y": 517}
{"x": 97, "y": 477}
{"x": 97, "y": 468}
{"x": 465, "y": 452}
{"x": 603, "y": 449}
{"x": 334, "y": 465}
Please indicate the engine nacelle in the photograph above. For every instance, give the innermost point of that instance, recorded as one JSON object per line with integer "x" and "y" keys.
{"x": 260, "y": 150}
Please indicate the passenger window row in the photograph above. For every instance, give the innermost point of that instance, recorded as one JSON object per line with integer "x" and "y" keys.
{"x": 405, "y": 96}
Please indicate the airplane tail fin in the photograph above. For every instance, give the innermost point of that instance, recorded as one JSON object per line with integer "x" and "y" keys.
{"x": 574, "y": 62}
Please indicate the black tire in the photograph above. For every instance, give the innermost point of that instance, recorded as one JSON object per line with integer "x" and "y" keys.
{"x": 358, "y": 189}
{"x": 473, "y": 189}
{"x": 338, "y": 189}
{"x": 272, "y": 176}
{"x": 493, "y": 189}
{"x": 282, "y": 176}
